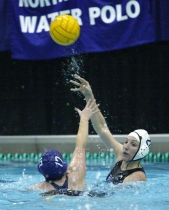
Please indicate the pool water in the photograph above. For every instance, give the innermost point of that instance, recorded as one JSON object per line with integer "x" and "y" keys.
{"x": 15, "y": 177}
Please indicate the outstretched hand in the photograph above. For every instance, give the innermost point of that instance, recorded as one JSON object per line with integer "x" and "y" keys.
{"x": 83, "y": 86}
{"x": 90, "y": 108}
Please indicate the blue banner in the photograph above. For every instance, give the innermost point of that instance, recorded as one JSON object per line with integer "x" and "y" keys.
{"x": 4, "y": 26}
{"x": 160, "y": 10}
{"x": 105, "y": 25}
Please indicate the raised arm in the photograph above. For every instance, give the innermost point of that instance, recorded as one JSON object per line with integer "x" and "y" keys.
{"x": 77, "y": 166}
{"x": 98, "y": 121}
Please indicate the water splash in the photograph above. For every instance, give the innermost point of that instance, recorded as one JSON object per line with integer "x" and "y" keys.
{"x": 73, "y": 65}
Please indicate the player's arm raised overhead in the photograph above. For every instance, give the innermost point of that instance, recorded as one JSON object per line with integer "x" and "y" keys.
{"x": 77, "y": 166}
{"x": 98, "y": 120}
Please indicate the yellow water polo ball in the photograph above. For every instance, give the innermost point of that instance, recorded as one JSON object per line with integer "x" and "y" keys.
{"x": 64, "y": 30}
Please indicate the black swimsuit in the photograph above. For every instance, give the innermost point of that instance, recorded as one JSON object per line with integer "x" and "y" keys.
{"x": 62, "y": 190}
{"x": 117, "y": 176}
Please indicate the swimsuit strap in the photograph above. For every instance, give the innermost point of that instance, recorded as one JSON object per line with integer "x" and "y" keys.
{"x": 64, "y": 186}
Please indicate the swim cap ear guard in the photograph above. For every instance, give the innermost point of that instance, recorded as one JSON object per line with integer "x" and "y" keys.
{"x": 51, "y": 165}
{"x": 145, "y": 143}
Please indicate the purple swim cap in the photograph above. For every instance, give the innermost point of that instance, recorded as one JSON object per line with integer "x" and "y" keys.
{"x": 52, "y": 165}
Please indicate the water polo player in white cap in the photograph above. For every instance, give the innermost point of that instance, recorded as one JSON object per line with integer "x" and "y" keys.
{"x": 61, "y": 178}
{"x": 136, "y": 145}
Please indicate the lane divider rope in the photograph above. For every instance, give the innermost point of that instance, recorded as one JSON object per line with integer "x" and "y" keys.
{"x": 102, "y": 156}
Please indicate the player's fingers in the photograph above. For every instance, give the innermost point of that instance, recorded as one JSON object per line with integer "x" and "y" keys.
{"x": 74, "y": 82}
{"x": 98, "y": 110}
{"x": 95, "y": 107}
{"x": 92, "y": 103}
{"x": 81, "y": 79}
{"x": 89, "y": 103}
{"x": 75, "y": 89}
{"x": 77, "y": 110}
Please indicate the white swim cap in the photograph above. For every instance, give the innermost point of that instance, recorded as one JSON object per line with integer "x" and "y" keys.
{"x": 145, "y": 143}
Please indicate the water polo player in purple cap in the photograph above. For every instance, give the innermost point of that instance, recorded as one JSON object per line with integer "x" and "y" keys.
{"x": 58, "y": 176}
{"x": 136, "y": 145}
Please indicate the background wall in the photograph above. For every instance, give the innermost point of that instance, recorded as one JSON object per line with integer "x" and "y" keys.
{"x": 66, "y": 143}
{"x": 131, "y": 85}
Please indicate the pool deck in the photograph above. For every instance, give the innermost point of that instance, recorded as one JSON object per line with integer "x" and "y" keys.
{"x": 66, "y": 143}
